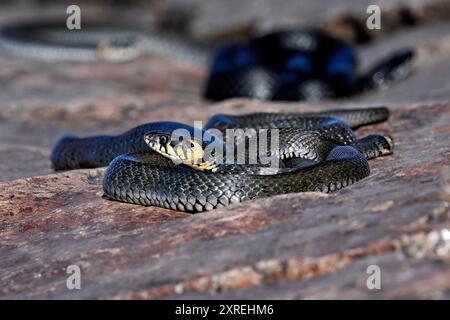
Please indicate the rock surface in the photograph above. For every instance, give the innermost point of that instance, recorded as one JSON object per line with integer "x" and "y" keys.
{"x": 398, "y": 218}
{"x": 308, "y": 245}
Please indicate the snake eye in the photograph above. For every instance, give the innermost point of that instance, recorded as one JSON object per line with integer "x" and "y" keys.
{"x": 163, "y": 140}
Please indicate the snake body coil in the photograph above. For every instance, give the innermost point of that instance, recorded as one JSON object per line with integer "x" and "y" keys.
{"x": 297, "y": 65}
{"x": 318, "y": 152}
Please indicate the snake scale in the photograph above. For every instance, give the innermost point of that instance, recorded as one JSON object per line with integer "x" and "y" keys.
{"x": 317, "y": 152}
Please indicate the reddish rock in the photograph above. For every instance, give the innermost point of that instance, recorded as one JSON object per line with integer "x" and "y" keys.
{"x": 299, "y": 245}
{"x": 307, "y": 245}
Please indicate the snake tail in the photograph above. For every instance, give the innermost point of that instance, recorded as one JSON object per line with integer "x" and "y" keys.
{"x": 390, "y": 70}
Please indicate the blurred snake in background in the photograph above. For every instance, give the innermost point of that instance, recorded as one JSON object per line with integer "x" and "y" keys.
{"x": 290, "y": 65}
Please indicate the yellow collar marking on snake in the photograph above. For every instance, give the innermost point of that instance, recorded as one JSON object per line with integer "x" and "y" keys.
{"x": 189, "y": 152}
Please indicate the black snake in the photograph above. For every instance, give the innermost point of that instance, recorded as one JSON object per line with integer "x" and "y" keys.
{"x": 317, "y": 152}
{"x": 298, "y": 65}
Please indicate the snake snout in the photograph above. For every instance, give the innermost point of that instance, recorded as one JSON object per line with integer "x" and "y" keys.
{"x": 182, "y": 150}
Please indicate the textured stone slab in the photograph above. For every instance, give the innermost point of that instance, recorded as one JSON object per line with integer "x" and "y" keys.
{"x": 291, "y": 243}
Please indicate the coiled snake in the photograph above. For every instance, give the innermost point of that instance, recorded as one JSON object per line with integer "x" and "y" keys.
{"x": 317, "y": 152}
{"x": 314, "y": 152}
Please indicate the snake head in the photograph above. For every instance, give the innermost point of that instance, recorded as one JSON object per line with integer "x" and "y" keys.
{"x": 182, "y": 148}
{"x": 119, "y": 49}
